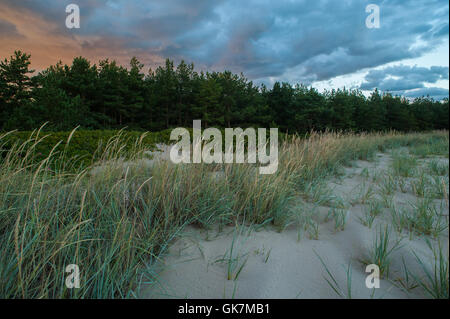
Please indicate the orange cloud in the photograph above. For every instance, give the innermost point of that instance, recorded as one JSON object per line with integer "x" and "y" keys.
{"x": 49, "y": 42}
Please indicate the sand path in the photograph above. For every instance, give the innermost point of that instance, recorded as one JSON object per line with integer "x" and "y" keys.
{"x": 285, "y": 264}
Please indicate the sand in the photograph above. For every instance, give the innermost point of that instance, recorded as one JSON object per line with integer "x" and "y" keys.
{"x": 285, "y": 264}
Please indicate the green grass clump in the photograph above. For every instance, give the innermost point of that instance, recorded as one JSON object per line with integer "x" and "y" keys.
{"x": 340, "y": 217}
{"x": 433, "y": 146}
{"x": 367, "y": 219}
{"x": 435, "y": 282}
{"x": 318, "y": 192}
{"x": 422, "y": 217}
{"x": 426, "y": 186}
{"x": 373, "y": 210}
{"x": 382, "y": 250}
{"x": 400, "y": 219}
{"x": 438, "y": 187}
{"x": 403, "y": 164}
{"x": 437, "y": 168}
{"x": 388, "y": 185}
{"x": 363, "y": 194}
{"x": 425, "y": 218}
{"x": 420, "y": 186}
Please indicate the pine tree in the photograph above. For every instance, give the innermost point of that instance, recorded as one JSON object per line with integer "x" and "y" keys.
{"x": 15, "y": 83}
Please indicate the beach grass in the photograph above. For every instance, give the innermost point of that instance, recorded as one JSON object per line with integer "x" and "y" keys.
{"x": 115, "y": 218}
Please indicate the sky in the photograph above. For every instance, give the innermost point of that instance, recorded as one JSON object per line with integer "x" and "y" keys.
{"x": 323, "y": 43}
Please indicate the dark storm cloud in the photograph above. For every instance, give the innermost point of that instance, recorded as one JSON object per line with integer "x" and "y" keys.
{"x": 7, "y": 29}
{"x": 304, "y": 40}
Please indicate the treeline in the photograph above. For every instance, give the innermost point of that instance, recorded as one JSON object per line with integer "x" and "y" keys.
{"x": 109, "y": 96}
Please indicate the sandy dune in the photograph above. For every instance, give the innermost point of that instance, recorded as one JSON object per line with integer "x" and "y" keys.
{"x": 285, "y": 264}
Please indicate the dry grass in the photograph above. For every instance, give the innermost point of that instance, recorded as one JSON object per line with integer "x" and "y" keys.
{"x": 115, "y": 223}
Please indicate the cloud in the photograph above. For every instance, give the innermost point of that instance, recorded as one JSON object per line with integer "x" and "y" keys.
{"x": 436, "y": 93}
{"x": 8, "y": 29}
{"x": 403, "y": 77}
{"x": 409, "y": 81}
{"x": 296, "y": 41}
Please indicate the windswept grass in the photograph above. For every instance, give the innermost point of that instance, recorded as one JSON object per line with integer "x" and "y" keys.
{"x": 382, "y": 249}
{"x": 434, "y": 281}
{"x": 114, "y": 219}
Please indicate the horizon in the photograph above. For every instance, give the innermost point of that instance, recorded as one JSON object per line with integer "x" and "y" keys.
{"x": 326, "y": 45}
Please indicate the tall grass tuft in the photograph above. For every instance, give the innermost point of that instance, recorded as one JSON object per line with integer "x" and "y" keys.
{"x": 435, "y": 281}
{"x": 382, "y": 250}
{"x": 403, "y": 164}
